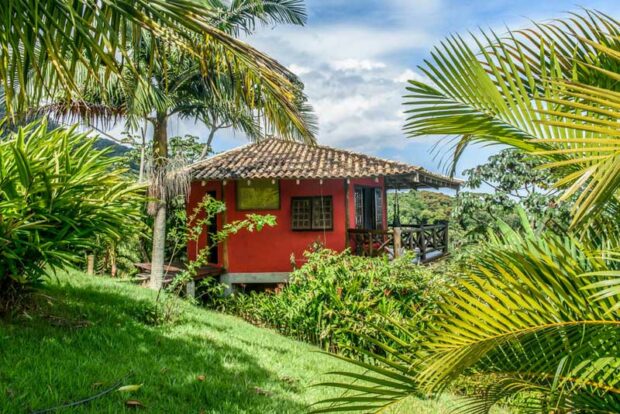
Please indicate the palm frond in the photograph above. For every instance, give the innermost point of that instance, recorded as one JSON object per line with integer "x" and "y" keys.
{"x": 244, "y": 15}
{"x": 46, "y": 44}
{"x": 550, "y": 90}
{"x": 177, "y": 85}
{"x": 522, "y": 312}
{"x": 592, "y": 162}
{"x": 379, "y": 382}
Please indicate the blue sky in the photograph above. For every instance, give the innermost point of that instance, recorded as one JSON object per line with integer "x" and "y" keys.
{"x": 355, "y": 56}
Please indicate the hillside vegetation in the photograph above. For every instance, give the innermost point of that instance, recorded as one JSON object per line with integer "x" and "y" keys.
{"x": 84, "y": 334}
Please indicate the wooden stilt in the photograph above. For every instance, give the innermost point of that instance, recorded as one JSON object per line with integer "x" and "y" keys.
{"x": 90, "y": 264}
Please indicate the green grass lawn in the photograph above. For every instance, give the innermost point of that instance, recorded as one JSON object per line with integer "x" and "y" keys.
{"x": 83, "y": 334}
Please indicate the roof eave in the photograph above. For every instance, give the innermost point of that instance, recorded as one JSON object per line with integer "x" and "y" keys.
{"x": 414, "y": 180}
{"x": 420, "y": 179}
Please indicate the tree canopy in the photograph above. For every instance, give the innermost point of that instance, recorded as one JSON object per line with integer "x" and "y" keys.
{"x": 508, "y": 180}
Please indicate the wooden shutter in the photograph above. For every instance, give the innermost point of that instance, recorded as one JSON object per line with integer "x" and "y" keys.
{"x": 359, "y": 208}
{"x": 379, "y": 208}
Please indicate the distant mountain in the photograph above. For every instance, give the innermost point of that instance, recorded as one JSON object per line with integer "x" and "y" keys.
{"x": 116, "y": 149}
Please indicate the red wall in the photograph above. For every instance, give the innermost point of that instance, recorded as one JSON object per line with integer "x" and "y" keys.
{"x": 270, "y": 249}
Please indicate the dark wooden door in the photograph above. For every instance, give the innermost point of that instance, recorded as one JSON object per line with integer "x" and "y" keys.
{"x": 367, "y": 203}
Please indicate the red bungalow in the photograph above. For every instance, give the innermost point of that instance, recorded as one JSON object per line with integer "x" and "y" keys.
{"x": 317, "y": 194}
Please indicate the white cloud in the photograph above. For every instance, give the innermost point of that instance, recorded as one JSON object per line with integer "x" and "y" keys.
{"x": 359, "y": 111}
{"x": 299, "y": 70}
{"x": 351, "y": 78}
{"x": 339, "y": 42}
{"x": 408, "y": 75}
{"x": 357, "y": 64}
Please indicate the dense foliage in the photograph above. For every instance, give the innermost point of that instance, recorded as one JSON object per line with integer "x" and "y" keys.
{"x": 58, "y": 197}
{"x": 117, "y": 258}
{"x": 341, "y": 302}
{"x": 535, "y": 315}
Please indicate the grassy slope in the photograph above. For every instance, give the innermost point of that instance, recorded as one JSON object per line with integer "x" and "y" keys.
{"x": 47, "y": 357}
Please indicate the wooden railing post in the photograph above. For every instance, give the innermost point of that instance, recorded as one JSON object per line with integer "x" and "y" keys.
{"x": 422, "y": 244}
{"x": 398, "y": 241}
{"x": 430, "y": 241}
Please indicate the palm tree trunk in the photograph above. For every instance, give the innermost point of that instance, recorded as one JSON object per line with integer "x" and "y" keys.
{"x": 160, "y": 159}
{"x": 113, "y": 268}
{"x": 142, "y": 151}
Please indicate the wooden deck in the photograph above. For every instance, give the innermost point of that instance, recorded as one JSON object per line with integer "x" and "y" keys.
{"x": 427, "y": 241}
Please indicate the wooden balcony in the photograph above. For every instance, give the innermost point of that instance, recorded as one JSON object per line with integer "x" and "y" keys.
{"x": 427, "y": 241}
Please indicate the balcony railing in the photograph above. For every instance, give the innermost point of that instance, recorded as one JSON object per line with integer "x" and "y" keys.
{"x": 427, "y": 241}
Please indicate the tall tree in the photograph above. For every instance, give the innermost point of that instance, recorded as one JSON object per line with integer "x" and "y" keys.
{"x": 168, "y": 82}
{"x": 515, "y": 180}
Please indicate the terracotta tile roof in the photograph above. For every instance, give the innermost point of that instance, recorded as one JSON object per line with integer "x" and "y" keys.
{"x": 279, "y": 159}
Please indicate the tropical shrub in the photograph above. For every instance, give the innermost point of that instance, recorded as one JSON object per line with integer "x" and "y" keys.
{"x": 117, "y": 258}
{"x": 341, "y": 302}
{"x": 58, "y": 198}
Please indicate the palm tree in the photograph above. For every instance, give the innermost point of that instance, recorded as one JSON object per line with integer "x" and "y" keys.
{"x": 535, "y": 314}
{"x": 166, "y": 81}
{"x": 46, "y": 43}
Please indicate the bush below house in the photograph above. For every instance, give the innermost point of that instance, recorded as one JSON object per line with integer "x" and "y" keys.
{"x": 342, "y": 302}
